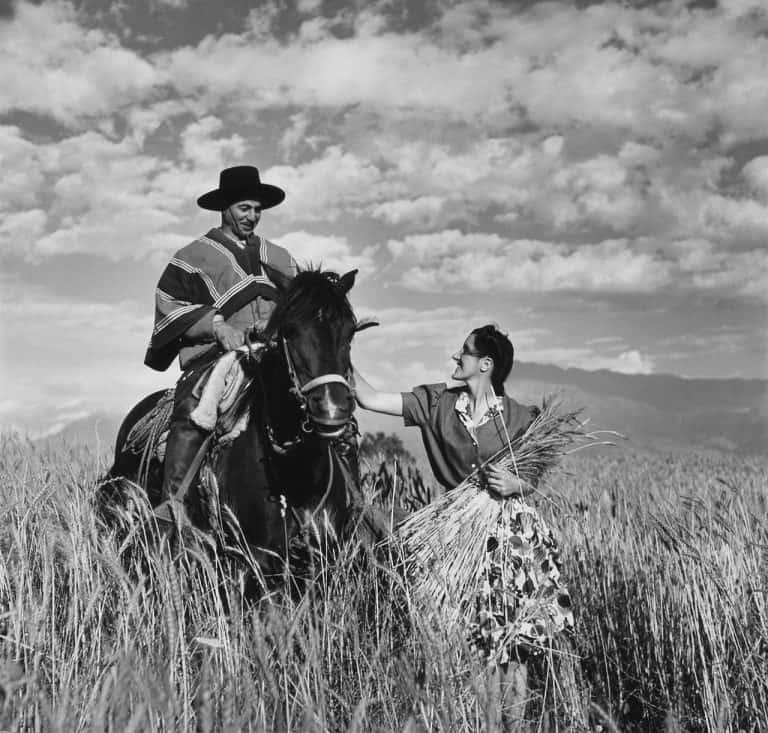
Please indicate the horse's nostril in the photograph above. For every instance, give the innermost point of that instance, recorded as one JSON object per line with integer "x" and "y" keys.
{"x": 332, "y": 400}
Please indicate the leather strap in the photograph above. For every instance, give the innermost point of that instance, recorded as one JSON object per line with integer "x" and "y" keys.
{"x": 194, "y": 467}
{"x": 166, "y": 511}
{"x": 324, "y": 379}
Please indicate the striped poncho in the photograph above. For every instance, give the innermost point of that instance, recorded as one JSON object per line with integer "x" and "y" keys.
{"x": 213, "y": 274}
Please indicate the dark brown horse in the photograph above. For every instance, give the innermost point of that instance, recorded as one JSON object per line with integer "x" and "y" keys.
{"x": 282, "y": 478}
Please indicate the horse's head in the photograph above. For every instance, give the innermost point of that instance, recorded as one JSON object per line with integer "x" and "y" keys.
{"x": 313, "y": 324}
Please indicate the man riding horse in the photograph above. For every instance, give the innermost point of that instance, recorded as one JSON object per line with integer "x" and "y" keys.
{"x": 215, "y": 295}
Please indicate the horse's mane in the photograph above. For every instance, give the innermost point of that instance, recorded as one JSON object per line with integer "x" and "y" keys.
{"x": 309, "y": 293}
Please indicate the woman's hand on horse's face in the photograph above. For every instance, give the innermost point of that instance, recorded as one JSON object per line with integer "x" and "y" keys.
{"x": 505, "y": 483}
{"x": 228, "y": 337}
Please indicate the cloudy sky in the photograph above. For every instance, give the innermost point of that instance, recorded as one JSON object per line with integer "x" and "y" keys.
{"x": 591, "y": 176}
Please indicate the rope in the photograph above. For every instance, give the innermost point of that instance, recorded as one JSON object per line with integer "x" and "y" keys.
{"x": 142, "y": 429}
{"x": 146, "y": 435}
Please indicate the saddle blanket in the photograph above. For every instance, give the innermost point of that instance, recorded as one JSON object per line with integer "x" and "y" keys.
{"x": 221, "y": 399}
{"x": 220, "y": 408}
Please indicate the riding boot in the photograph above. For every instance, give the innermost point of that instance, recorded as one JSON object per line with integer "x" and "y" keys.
{"x": 184, "y": 442}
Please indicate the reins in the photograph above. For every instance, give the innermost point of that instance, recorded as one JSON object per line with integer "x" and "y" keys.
{"x": 323, "y": 499}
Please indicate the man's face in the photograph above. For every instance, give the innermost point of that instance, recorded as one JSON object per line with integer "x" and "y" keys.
{"x": 242, "y": 217}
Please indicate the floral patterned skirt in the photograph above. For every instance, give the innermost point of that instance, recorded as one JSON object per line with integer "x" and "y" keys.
{"x": 520, "y": 603}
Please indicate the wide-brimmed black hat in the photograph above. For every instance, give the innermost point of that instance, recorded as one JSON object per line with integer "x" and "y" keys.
{"x": 240, "y": 183}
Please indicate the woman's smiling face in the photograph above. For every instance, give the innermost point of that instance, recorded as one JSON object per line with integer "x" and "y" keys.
{"x": 467, "y": 360}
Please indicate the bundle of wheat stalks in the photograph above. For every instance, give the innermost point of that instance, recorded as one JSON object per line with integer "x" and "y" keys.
{"x": 445, "y": 542}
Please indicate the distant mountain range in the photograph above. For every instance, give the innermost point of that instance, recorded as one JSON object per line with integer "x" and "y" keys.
{"x": 653, "y": 411}
{"x": 659, "y": 411}
{"x": 97, "y": 428}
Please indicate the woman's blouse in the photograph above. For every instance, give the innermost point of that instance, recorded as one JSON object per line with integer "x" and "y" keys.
{"x": 454, "y": 445}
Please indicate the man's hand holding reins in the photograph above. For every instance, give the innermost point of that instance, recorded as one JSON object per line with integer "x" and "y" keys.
{"x": 229, "y": 338}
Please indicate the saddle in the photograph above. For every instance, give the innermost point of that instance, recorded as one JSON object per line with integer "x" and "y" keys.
{"x": 222, "y": 411}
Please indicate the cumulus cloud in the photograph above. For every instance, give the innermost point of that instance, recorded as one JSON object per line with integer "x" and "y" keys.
{"x": 52, "y": 65}
{"x": 100, "y": 198}
{"x": 390, "y": 72}
{"x": 411, "y": 346}
{"x": 523, "y": 178}
{"x": 708, "y": 267}
{"x": 410, "y": 183}
{"x": 406, "y": 328}
{"x": 629, "y": 361}
{"x": 202, "y": 145}
{"x": 725, "y": 217}
{"x": 144, "y": 120}
{"x": 632, "y": 362}
{"x": 646, "y": 70}
{"x": 476, "y": 262}
{"x": 332, "y": 253}
{"x": 20, "y": 181}
{"x": 308, "y": 6}
{"x": 19, "y": 231}
{"x": 421, "y": 212}
{"x": 577, "y": 71}
{"x": 597, "y": 190}
{"x": 112, "y": 237}
{"x": 755, "y": 173}
{"x": 493, "y": 148}
{"x": 453, "y": 261}
{"x": 323, "y": 187}
{"x": 296, "y": 133}
{"x": 107, "y": 196}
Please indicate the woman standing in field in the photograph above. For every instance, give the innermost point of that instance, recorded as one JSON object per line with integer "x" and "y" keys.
{"x": 519, "y": 604}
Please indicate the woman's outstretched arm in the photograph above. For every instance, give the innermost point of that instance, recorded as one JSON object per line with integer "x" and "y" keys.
{"x": 390, "y": 403}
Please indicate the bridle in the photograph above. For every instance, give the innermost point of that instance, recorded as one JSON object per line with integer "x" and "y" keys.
{"x": 300, "y": 392}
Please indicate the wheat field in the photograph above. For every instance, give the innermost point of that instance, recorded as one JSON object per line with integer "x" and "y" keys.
{"x": 665, "y": 556}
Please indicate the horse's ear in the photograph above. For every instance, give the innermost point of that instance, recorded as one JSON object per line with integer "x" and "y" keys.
{"x": 347, "y": 281}
{"x": 366, "y": 323}
{"x": 279, "y": 279}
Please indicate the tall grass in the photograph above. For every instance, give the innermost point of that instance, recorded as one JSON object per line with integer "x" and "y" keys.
{"x": 666, "y": 566}
{"x": 667, "y": 561}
